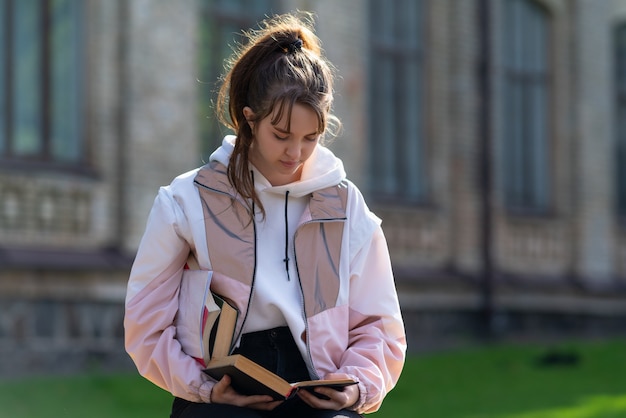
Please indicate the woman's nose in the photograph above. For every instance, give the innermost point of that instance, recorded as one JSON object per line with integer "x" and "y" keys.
{"x": 293, "y": 150}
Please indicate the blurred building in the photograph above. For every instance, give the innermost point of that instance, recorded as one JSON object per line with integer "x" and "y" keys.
{"x": 489, "y": 135}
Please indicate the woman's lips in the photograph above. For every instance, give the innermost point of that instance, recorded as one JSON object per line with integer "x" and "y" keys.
{"x": 289, "y": 164}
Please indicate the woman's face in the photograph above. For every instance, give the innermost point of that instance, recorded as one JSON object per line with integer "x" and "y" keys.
{"x": 279, "y": 153}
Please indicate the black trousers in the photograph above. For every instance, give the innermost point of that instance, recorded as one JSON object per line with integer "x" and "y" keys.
{"x": 275, "y": 350}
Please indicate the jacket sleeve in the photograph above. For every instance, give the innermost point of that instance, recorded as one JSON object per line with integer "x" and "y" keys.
{"x": 152, "y": 303}
{"x": 377, "y": 341}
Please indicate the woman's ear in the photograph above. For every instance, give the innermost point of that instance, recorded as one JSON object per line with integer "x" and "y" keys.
{"x": 249, "y": 115}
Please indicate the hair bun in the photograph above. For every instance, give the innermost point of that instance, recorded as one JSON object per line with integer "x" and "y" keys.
{"x": 292, "y": 47}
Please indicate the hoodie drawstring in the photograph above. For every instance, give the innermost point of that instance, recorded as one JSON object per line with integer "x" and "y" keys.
{"x": 286, "y": 260}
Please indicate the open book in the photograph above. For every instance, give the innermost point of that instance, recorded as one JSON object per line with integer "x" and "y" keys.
{"x": 249, "y": 378}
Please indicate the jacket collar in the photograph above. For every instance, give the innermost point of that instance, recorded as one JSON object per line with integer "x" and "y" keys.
{"x": 326, "y": 204}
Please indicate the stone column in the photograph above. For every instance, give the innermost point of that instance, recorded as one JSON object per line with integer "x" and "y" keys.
{"x": 161, "y": 134}
{"x": 593, "y": 136}
{"x": 463, "y": 163}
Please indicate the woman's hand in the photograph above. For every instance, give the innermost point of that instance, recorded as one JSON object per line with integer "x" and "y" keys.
{"x": 224, "y": 393}
{"x": 330, "y": 398}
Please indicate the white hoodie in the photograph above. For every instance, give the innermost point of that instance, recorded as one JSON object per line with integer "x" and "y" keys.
{"x": 276, "y": 298}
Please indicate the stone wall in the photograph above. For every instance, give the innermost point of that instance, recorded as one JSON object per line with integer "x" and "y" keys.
{"x": 67, "y": 238}
{"x": 60, "y": 336}
{"x": 62, "y": 321}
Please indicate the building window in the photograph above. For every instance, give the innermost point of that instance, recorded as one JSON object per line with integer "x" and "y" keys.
{"x": 396, "y": 101}
{"x": 620, "y": 78}
{"x": 525, "y": 139}
{"x": 41, "y": 109}
{"x": 221, "y": 25}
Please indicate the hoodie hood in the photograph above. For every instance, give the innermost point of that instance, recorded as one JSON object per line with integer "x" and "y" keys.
{"x": 322, "y": 169}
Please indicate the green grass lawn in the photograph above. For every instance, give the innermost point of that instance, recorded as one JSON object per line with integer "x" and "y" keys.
{"x": 584, "y": 380}
{"x": 510, "y": 382}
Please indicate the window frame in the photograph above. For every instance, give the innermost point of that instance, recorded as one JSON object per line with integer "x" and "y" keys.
{"x": 218, "y": 16}
{"x": 620, "y": 117}
{"x": 398, "y": 164}
{"x": 527, "y": 175}
{"x": 43, "y": 157}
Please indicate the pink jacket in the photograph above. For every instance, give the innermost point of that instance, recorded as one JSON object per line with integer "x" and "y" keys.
{"x": 353, "y": 322}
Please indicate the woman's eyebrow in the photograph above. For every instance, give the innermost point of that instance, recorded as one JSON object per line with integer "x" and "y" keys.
{"x": 284, "y": 131}
{"x": 279, "y": 129}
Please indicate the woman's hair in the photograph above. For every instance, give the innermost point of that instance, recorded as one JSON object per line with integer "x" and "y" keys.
{"x": 279, "y": 66}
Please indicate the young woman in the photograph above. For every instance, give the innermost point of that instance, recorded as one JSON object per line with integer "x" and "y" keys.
{"x": 290, "y": 242}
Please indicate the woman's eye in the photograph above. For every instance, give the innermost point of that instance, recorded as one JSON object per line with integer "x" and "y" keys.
{"x": 280, "y": 138}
